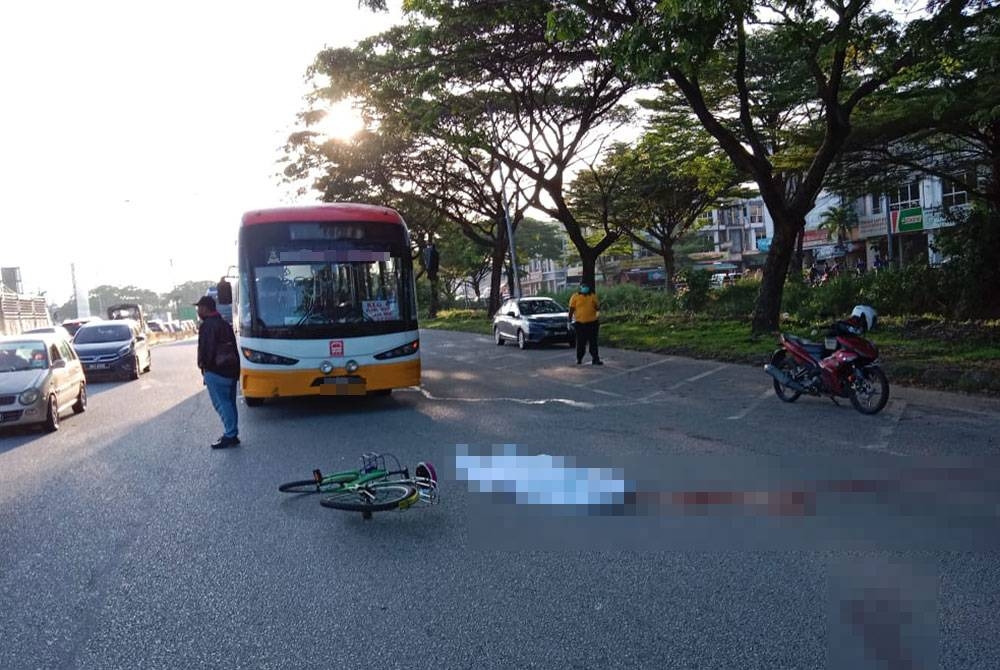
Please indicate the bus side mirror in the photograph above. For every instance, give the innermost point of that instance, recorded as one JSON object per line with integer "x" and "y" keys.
{"x": 225, "y": 292}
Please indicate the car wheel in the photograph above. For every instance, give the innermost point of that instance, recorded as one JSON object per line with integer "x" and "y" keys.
{"x": 497, "y": 337}
{"x": 134, "y": 374}
{"x": 80, "y": 405}
{"x": 522, "y": 343}
{"x": 52, "y": 416}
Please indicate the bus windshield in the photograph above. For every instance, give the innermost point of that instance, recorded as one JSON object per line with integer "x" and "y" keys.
{"x": 298, "y": 294}
{"x": 307, "y": 285}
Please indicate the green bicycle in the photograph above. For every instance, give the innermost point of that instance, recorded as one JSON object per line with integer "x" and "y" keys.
{"x": 375, "y": 487}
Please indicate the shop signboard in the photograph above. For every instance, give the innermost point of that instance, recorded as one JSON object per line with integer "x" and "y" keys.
{"x": 872, "y": 227}
{"x": 815, "y": 238}
{"x": 908, "y": 220}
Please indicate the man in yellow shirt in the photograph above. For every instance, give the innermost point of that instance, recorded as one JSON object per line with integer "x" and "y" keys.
{"x": 584, "y": 309}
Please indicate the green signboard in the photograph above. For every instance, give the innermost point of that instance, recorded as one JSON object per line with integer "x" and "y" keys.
{"x": 909, "y": 220}
{"x": 186, "y": 312}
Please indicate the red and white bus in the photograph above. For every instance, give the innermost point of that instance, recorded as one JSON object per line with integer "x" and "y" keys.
{"x": 326, "y": 303}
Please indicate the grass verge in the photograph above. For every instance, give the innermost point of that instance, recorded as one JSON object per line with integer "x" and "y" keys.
{"x": 929, "y": 353}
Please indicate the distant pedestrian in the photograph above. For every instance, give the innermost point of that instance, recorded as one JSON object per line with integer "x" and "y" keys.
{"x": 219, "y": 361}
{"x": 584, "y": 310}
{"x": 860, "y": 266}
{"x": 879, "y": 263}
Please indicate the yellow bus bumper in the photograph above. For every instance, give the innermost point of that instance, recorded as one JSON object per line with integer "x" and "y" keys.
{"x": 283, "y": 383}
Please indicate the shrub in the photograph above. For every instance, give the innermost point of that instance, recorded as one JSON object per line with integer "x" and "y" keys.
{"x": 699, "y": 284}
{"x": 737, "y": 300}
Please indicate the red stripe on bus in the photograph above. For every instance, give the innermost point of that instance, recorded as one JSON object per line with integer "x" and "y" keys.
{"x": 340, "y": 211}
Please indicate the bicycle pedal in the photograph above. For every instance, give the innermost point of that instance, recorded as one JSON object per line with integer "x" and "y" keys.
{"x": 318, "y": 476}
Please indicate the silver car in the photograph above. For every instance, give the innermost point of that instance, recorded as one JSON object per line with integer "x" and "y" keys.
{"x": 41, "y": 378}
{"x": 533, "y": 321}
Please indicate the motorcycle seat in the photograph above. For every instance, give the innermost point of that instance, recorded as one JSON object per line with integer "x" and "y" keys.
{"x": 815, "y": 349}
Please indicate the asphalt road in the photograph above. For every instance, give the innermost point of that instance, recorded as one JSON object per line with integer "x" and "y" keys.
{"x": 125, "y": 542}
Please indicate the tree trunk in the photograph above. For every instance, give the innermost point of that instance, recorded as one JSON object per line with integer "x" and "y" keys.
{"x": 799, "y": 241}
{"x": 589, "y": 263}
{"x": 496, "y": 272}
{"x": 767, "y": 311}
{"x": 667, "y": 251}
{"x": 432, "y": 309}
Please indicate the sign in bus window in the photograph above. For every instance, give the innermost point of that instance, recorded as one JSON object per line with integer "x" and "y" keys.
{"x": 381, "y": 310}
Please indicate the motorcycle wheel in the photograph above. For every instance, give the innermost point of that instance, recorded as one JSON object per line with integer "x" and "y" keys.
{"x": 869, "y": 392}
{"x": 786, "y": 364}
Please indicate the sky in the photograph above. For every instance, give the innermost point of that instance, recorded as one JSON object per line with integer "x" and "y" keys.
{"x": 134, "y": 135}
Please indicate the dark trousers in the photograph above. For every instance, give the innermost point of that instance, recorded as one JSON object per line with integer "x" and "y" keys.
{"x": 586, "y": 335}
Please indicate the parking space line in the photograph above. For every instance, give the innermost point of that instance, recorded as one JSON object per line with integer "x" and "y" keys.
{"x": 752, "y": 406}
{"x": 895, "y": 413}
{"x": 697, "y": 377}
{"x": 629, "y": 371}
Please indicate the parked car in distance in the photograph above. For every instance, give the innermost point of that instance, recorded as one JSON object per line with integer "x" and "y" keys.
{"x": 55, "y": 330}
{"x": 73, "y": 325}
{"x": 118, "y": 348}
{"x": 40, "y": 379}
{"x": 720, "y": 279}
{"x": 532, "y": 321}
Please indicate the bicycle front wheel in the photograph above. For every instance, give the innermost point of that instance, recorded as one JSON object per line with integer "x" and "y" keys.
{"x": 372, "y": 498}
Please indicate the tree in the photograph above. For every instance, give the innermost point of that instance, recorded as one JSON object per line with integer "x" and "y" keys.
{"x": 838, "y": 221}
{"x": 942, "y": 119}
{"x": 706, "y": 51}
{"x": 414, "y": 159}
{"x": 537, "y": 107}
{"x": 656, "y": 191}
{"x": 187, "y": 293}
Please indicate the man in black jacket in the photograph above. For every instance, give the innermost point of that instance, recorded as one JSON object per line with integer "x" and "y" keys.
{"x": 219, "y": 361}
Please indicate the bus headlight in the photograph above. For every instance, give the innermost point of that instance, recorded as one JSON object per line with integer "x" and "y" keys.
{"x": 404, "y": 350}
{"x": 352, "y": 366}
{"x": 265, "y": 358}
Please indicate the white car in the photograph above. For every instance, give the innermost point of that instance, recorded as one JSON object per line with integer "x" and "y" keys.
{"x": 41, "y": 378}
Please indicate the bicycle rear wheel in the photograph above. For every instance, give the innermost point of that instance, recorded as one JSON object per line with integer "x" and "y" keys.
{"x": 372, "y": 498}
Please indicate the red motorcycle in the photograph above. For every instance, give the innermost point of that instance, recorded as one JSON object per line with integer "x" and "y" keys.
{"x": 844, "y": 365}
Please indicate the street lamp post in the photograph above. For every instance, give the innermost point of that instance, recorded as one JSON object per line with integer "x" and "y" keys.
{"x": 506, "y": 210}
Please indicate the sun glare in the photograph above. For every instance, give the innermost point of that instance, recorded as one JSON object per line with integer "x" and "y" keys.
{"x": 341, "y": 122}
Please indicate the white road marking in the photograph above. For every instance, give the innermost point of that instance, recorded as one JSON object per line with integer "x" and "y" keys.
{"x": 522, "y": 401}
{"x": 752, "y": 406}
{"x": 894, "y": 413}
{"x": 697, "y": 377}
{"x": 629, "y": 371}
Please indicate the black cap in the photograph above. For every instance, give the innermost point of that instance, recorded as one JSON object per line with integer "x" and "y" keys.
{"x": 206, "y": 301}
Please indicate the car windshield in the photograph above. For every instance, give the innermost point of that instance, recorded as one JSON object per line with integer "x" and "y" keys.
{"x": 23, "y": 355}
{"x": 103, "y": 333}
{"x": 530, "y": 307}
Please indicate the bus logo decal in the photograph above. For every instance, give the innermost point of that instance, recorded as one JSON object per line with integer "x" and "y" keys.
{"x": 337, "y": 348}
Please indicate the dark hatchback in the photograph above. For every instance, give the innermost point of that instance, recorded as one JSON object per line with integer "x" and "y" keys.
{"x": 117, "y": 348}
{"x": 533, "y": 321}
